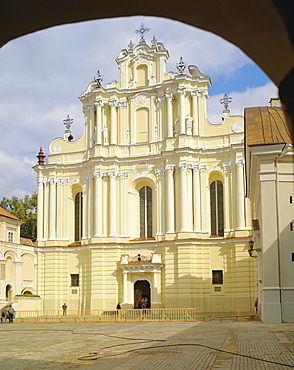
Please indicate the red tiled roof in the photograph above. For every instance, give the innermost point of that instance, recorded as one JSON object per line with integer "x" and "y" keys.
{"x": 4, "y": 213}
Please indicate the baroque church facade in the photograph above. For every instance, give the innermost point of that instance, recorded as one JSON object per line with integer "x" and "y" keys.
{"x": 150, "y": 201}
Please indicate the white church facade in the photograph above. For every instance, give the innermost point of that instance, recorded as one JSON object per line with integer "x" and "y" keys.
{"x": 150, "y": 201}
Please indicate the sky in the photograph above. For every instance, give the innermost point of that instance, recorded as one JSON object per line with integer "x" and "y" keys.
{"x": 43, "y": 74}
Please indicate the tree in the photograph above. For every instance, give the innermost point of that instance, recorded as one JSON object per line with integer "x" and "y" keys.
{"x": 26, "y": 210}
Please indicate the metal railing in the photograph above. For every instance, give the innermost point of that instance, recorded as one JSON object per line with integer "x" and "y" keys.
{"x": 149, "y": 314}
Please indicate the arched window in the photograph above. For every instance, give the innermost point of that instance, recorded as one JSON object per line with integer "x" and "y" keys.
{"x": 145, "y": 195}
{"x": 78, "y": 216}
{"x": 216, "y": 208}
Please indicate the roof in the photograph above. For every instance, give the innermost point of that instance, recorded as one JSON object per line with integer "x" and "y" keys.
{"x": 266, "y": 125}
{"x": 4, "y": 213}
{"x": 25, "y": 241}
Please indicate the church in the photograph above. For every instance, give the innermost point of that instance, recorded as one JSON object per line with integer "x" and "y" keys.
{"x": 150, "y": 201}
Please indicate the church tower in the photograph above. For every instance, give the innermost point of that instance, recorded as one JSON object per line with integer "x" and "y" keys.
{"x": 149, "y": 202}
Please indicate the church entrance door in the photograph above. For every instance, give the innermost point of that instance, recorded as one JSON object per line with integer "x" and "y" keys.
{"x": 141, "y": 290}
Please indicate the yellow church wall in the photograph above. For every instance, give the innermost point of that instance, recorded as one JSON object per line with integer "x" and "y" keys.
{"x": 156, "y": 136}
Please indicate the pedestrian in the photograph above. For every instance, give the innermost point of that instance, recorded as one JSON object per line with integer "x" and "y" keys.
{"x": 143, "y": 305}
{"x": 4, "y": 314}
{"x": 10, "y": 313}
{"x": 256, "y": 305}
{"x": 64, "y": 308}
{"x": 118, "y": 307}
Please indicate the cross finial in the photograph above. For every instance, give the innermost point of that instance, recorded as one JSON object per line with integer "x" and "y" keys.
{"x": 181, "y": 66}
{"x": 131, "y": 45}
{"x": 225, "y": 101}
{"x": 98, "y": 78}
{"x": 68, "y": 122}
{"x": 141, "y": 31}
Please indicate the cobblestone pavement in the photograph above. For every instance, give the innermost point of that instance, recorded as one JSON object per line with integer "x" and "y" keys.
{"x": 152, "y": 345}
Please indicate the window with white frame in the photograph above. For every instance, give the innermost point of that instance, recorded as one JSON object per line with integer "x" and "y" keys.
{"x": 10, "y": 236}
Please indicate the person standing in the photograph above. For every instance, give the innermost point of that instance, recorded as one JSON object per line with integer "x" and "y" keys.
{"x": 10, "y": 313}
{"x": 4, "y": 314}
{"x": 64, "y": 308}
{"x": 118, "y": 307}
{"x": 256, "y": 305}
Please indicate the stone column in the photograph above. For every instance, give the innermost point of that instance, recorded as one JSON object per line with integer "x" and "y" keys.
{"x": 125, "y": 286}
{"x": 46, "y": 209}
{"x": 170, "y": 200}
{"x": 52, "y": 210}
{"x": 202, "y": 96}
{"x": 123, "y": 122}
{"x": 112, "y": 204}
{"x": 85, "y": 209}
{"x": 160, "y": 216}
{"x": 90, "y": 207}
{"x": 227, "y": 196}
{"x": 18, "y": 276}
{"x": 169, "y": 107}
{"x": 195, "y": 113}
{"x": 87, "y": 123}
{"x": 155, "y": 287}
{"x": 190, "y": 198}
{"x": 40, "y": 208}
{"x": 91, "y": 125}
{"x": 205, "y": 200}
{"x": 240, "y": 195}
{"x": 183, "y": 198}
{"x": 132, "y": 131}
{"x": 98, "y": 203}
{"x": 99, "y": 124}
{"x": 197, "y": 199}
{"x": 59, "y": 213}
{"x": 181, "y": 92}
{"x": 65, "y": 221}
{"x": 113, "y": 133}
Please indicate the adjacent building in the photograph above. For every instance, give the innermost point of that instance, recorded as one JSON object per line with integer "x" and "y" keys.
{"x": 18, "y": 263}
{"x": 270, "y": 187}
{"x": 150, "y": 201}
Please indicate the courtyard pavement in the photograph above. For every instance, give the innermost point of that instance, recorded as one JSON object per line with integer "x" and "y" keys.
{"x": 147, "y": 345}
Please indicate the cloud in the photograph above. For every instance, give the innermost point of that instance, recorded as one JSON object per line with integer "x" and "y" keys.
{"x": 251, "y": 97}
{"x": 17, "y": 176}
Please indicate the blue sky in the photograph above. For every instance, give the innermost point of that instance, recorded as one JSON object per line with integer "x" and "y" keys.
{"x": 42, "y": 75}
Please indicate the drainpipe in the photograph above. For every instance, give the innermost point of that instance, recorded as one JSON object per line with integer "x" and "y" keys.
{"x": 283, "y": 152}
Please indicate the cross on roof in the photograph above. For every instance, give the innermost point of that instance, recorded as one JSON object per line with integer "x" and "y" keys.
{"x": 68, "y": 122}
{"x": 141, "y": 31}
{"x": 225, "y": 101}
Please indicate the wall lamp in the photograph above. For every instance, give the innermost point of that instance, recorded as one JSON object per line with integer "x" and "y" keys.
{"x": 251, "y": 249}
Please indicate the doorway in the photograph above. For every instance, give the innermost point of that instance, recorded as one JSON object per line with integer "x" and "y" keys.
{"x": 8, "y": 292}
{"x": 141, "y": 290}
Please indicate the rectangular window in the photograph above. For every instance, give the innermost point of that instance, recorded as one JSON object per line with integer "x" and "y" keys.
{"x": 10, "y": 236}
{"x": 291, "y": 226}
{"x": 292, "y": 257}
{"x": 290, "y": 199}
{"x": 74, "y": 279}
{"x": 217, "y": 276}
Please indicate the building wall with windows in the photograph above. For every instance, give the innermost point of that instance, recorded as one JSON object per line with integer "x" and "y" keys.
{"x": 150, "y": 200}
{"x": 17, "y": 264}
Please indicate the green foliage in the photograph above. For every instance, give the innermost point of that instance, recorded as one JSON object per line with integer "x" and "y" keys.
{"x": 26, "y": 210}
